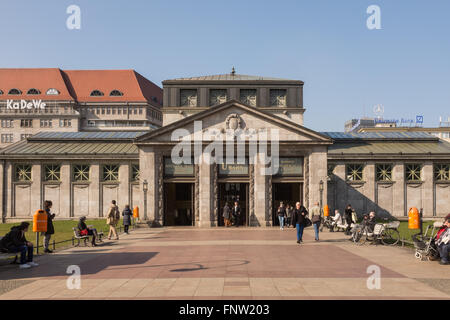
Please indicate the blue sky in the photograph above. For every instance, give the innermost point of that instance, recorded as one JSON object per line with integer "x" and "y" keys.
{"x": 347, "y": 68}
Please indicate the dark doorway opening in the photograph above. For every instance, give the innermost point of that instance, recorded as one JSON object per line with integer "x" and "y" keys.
{"x": 178, "y": 204}
{"x": 288, "y": 193}
{"x": 231, "y": 192}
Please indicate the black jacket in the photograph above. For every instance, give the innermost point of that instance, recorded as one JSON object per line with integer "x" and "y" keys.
{"x": 127, "y": 214}
{"x": 281, "y": 211}
{"x": 299, "y": 216}
{"x": 236, "y": 211}
{"x": 348, "y": 215}
{"x": 50, "y": 217}
{"x": 14, "y": 238}
{"x": 82, "y": 225}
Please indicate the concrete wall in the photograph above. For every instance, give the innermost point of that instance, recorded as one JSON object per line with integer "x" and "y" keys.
{"x": 388, "y": 198}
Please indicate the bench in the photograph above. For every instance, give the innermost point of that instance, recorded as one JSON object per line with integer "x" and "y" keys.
{"x": 79, "y": 237}
{"x": 7, "y": 255}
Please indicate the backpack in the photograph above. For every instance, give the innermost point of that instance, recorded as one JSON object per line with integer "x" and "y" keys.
{"x": 117, "y": 213}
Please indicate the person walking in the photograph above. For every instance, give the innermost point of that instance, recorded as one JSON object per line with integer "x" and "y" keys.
{"x": 348, "y": 218}
{"x": 14, "y": 241}
{"x": 127, "y": 214}
{"x": 236, "y": 211}
{"x": 226, "y": 214}
{"x": 299, "y": 220}
{"x": 111, "y": 220}
{"x": 315, "y": 219}
{"x": 50, "y": 228}
{"x": 281, "y": 215}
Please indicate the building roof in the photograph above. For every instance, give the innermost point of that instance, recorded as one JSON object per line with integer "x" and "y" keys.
{"x": 68, "y": 148}
{"x": 382, "y": 136}
{"x": 135, "y": 88}
{"x": 102, "y": 135}
{"x": 230, "y": 77}
{"x": 78, "y": 85}
{"x": 41, "y": 79}
{"x": 390, "y": 148}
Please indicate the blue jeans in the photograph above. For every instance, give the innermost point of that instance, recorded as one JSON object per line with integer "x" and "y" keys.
{"x": 444, "y": 249}
{"x": 281, "y": 219}
{"x": 300, "y": 228}
{"x": 23, "y": 253}
{"x": 316, "y": 230}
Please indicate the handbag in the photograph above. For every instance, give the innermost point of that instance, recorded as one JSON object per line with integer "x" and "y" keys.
{"x": 84, "y": 232}
{"x": 315, "y": 219}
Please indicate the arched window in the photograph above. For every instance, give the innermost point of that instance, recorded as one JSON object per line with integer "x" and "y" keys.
{"x": 52, "y": 91}
{"x": 96, "y": 93}
{"x": 15, "y": 91}
{"x": 116, "y": 93}
{"x": 33, "y": 91}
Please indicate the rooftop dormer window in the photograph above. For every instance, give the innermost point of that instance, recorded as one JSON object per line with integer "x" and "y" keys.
{"x": 278, "y": 97}
{"x": 1, "y": 92}
{"x": 15, "y": 91}
{"x": 52, "y": 92}
{"x": 115, "y": 93}
{"x": 33, "y": 91}
{"x": 248, "y": 96}
{"x": 188, "y": 97}
{"x": 97, "y": 93}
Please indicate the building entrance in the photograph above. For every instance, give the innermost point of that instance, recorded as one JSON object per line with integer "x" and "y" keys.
{"x": 288, "y": 193}
{"x": 179, "y": 204}
{"x": 231, "y": 192}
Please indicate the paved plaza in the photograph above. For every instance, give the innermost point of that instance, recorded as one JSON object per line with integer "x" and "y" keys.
{"x": 232, "y": 263}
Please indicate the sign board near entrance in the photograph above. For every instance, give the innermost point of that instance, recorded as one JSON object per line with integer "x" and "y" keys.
{"x": 291, "y": 167}
{"x": 173, "y": 170}
{"x": 235, "y": 169}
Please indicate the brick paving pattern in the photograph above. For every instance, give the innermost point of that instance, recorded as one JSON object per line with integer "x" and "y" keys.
{"x": 233, "y": 263}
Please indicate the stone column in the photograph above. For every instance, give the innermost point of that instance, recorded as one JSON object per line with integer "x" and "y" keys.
{"x": 9, "y": 188}
{"x": 124, "y": 186}
{"x": 398, "y": 175}
{"x": 205, "y": 192}
{"x": 36, "y": 189}
{"x": 341, "y": 187}
{"x": 369, "y": 187}
{"x": 260, "y": 203}
{"x": 427, "y": 189}
{"x": 94, "y": 191}
{"x": 317, "y": 171}
{"x": 149, "y": 171}
{"x": 64, "y": 191}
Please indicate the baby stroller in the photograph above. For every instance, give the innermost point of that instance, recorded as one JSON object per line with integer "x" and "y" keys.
{"x": 426, "y": 248}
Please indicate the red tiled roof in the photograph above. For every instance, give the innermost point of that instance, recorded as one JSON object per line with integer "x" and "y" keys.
{"x": 135, "y": 88}
{"x": 40, "y": 79}
{"x": 78, "y": 85}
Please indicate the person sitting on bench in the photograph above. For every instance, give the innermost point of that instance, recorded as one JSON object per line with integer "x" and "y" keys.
{"x": 85, "y": 231}
{"x": 15, "y": 241}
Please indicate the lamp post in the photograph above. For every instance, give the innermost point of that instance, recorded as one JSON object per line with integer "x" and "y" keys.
{"x": 145, "y": 189}
{"x": 321, "y": 194}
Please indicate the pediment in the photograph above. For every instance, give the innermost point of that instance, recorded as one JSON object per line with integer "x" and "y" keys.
{"x": 234, "y": 115}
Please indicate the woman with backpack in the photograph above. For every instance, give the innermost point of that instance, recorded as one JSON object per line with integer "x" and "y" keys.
{"x": 127, "y": 214}
{"x": 112, "y": 218}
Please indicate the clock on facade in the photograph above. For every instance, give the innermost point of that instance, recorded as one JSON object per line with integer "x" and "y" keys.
{"x": 217, "y": 96}
{"x": 188, "y": 97}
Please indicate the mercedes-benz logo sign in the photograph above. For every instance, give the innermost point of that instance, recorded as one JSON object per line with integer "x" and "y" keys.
{"x": 378, "y": 109}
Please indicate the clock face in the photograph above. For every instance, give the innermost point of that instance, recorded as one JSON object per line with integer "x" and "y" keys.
{"x": 278, "y": 97}
{"x": 248, "y": 96}
{"x": 188, "y": 97}
{"x": 217, "y": 96}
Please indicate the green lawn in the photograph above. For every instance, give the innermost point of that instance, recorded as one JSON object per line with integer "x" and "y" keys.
{"x": 63, "y": 231}
{"x": 406, "y": 233}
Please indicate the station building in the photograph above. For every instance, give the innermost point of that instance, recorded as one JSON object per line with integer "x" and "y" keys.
{"x": 81, "y": 172}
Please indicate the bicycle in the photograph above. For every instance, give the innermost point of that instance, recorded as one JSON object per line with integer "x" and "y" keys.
{"x": 386, "y": 233}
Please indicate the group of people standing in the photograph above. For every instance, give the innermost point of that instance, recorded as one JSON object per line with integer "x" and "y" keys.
{"x": 232, "y": 216}
{"x": 300, "y": 218}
